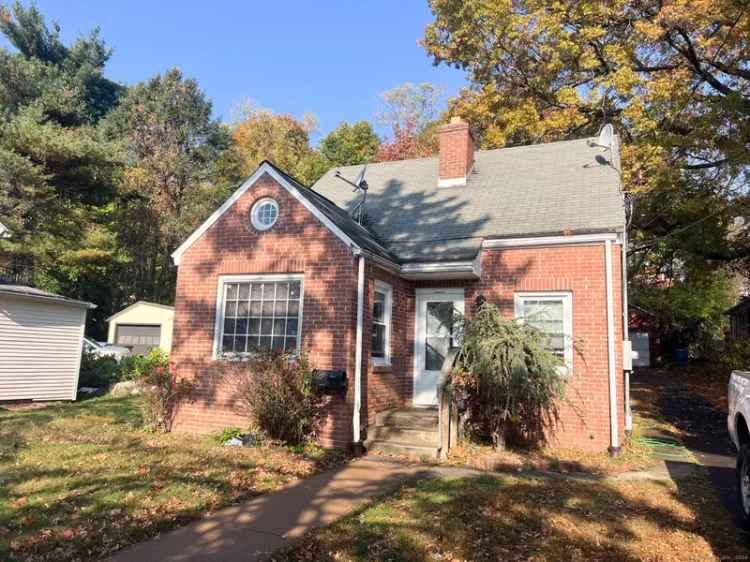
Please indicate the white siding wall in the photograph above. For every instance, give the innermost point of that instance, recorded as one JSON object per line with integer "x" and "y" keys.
{"x": 40, "y": 348}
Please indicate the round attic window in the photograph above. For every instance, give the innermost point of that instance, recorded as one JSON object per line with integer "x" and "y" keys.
{"x": 264, "y": 213}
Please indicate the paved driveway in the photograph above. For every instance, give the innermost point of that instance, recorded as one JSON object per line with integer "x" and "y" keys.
{"x": 703, "y": 427}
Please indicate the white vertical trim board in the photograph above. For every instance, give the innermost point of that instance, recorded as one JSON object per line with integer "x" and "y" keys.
{"x": 358, "y": 350}
{"x": 614, "y": 433}
{"x": 220, "y": 293}
{"x": 80, "y": 355}
{"x": 387, "y": 290}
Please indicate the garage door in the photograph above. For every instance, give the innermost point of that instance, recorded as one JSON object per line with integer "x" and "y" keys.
{"x": 140, "y": 338}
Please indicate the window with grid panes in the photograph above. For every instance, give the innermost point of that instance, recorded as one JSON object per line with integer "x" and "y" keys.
{"x": 551, "y": 314}
{"x": 261, "y": 315}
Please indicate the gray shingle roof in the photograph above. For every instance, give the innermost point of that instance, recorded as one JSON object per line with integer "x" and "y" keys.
{"x": 341, "y": 218}
{"x": 24, "y": 291}
{"x": 546, "y": 189}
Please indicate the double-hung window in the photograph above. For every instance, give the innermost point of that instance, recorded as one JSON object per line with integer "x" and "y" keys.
{"x": 258, "y": 313}
{"x": 382, "y": 305}
{"x": 551, "y": 314}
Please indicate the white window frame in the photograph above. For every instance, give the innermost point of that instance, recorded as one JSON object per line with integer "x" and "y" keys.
{"x": 567, "y": 300}
{"x": 220, "y": 292}
{"x": 256, "y": 207}
{"x": 387, "y": 290}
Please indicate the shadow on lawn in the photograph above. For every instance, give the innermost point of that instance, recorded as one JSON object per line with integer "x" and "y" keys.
{"x": 490, "y": 518}
{"x": 78, "y": 482}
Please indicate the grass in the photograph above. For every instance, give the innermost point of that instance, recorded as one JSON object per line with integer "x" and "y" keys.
{"x": 79, "y": 481}
{"x": 521, "y": 518}
{"x": 524, "y": 517}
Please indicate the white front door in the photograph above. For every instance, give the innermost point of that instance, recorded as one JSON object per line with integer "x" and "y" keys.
{"x": 438, "y": 315}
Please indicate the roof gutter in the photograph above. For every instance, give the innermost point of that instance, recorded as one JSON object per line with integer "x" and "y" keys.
{"x": 469, "y": 269}
{"x": 550, "y": 240}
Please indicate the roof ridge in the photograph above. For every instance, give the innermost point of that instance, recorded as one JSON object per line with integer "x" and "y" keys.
{"x": 530, "y": 146}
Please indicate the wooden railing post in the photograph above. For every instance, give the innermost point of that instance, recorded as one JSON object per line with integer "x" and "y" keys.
{"x": 447, "y": 412}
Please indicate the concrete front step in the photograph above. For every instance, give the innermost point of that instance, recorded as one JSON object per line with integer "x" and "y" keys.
{"x": 409, "y": 418}
{"x": 405, "y": 449}
{"x": 419, "y": 437}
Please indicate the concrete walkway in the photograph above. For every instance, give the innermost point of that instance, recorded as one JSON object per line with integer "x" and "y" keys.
{"x": 253, "y": 530}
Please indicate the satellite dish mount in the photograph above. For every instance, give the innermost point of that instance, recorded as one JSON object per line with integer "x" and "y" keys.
{"x": 359, "y": 184}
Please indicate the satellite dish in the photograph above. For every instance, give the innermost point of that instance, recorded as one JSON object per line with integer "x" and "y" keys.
{"x": 359, "y": 184}
{"x": 606, "y": 137}
{"x": 360, "y": 181}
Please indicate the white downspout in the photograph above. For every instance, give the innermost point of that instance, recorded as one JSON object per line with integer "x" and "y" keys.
{"x": 625, "y": 327}
{"x": 614, "y": 448}
{"x": 358, "y": 350}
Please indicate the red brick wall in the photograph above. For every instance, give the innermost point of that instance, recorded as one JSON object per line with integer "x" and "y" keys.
{"x": 298, "y": 243}
{"x": 584, "y": 416}
{"x": 389, "y": 386}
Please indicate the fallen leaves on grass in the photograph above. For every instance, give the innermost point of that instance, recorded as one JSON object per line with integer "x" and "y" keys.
{"x": 521, "y": 518}
{"x": 81, "y": 481}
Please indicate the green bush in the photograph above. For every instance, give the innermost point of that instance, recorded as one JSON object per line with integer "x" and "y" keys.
{"x": 275, "y": 390}
{"x": 229, "y": 433}
{"x": 509, "y": 381}
{"x": 99, "y": 372}
{"x": 736, "y": 355}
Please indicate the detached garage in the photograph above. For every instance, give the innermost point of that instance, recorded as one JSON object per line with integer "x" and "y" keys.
{"x": 41, "y": 338}
{"x": 142, "y": 326}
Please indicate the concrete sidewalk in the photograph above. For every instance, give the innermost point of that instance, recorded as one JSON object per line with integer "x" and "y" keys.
{"x": 253, "y": 530}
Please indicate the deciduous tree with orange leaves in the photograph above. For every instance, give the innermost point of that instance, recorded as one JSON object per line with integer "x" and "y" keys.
{"x": 672, "y": 76}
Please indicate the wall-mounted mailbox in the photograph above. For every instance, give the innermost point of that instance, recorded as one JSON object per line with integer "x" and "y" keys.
{"x": 329, "y": 382}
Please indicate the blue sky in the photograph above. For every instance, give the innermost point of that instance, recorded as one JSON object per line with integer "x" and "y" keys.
{"x": 327, "y": 57}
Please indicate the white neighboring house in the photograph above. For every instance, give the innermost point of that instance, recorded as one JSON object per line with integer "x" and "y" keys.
{"x": 4, "y": 232}
{"x": 142, "y": 326}
{"x": 41, "y": 337}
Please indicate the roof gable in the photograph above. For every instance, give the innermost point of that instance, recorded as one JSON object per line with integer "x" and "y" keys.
{"x": 141, "y": 303}
{"x": 334, "y": 218}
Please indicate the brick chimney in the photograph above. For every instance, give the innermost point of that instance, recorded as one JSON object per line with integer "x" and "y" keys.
{"x": 456, "y": 153}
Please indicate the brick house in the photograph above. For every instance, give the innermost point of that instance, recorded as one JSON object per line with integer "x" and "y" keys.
{"x": 538, "y": 230}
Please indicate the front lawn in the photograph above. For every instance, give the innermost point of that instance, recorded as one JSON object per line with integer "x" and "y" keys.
{"x": 520, "y": 518}
{"x": 79, "y": 481}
